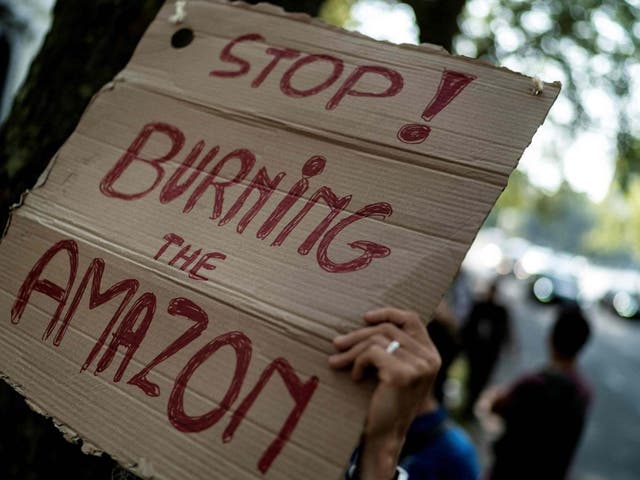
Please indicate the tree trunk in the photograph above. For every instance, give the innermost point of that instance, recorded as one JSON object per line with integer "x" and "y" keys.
{"x": 437, "y": 20}
{"x": 85, "y": 49}
{"x": 312, "y": 7}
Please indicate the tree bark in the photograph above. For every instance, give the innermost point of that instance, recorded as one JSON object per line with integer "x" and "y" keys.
{"x": 311, "y": 7}
{"x": 84, "y": 49}
{"x": 437, "y": 20}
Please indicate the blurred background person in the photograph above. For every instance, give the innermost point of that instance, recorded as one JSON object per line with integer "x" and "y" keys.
{"x": 459, "y": 297}
{"x": 444, "y": 332}
{"x": 544, "y": 412}
{"x": 484, "y": 334}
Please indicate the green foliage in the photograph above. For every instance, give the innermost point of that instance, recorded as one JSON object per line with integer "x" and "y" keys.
{"x": 337, "y": 12}
{"x": 514, "y": 204}
{"x": 592, "y": 46}
{"x": 618, "y": 223}
{"x": 519, "y": 193}
{"x": 628, "y": 161}
{"x": 561, "y": 220}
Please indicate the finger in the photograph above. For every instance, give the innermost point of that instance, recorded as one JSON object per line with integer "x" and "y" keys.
{"x": 346, "y": 341}
{"x": 391, "y": 331}
{"x": 420, "y": 362}
{"x": 404, "y": 319}
{"x": 374, "y": 356}
{"x": 400, "y": 368}
{"x": 388, "y": 314}
{"x": 346, "y": 357}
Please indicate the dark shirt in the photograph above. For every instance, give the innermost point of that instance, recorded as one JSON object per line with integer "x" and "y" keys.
{"x": 436, "y": 449}
{"x": 544, "y": 416}
{"x": 486, "y": 330}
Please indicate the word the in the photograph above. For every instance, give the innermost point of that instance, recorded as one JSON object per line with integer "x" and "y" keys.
{"x": 237, "y": 164}
{"x": 187, "y": 257}
{"x": 129, "y": 334}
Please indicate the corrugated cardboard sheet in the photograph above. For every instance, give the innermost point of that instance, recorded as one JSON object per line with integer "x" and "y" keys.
{"x": 171, "y": 287}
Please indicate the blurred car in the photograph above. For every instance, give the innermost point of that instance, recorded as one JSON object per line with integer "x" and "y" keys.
{"x": 625, "y": 304}
{"x": 533, "y": 262}
{"x": 552, "y": 287}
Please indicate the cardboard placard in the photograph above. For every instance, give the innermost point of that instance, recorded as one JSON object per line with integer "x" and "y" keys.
{"x": 171, "y": 287}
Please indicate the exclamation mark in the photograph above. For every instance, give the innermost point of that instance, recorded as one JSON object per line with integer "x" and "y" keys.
{"x": 451, "y": 84}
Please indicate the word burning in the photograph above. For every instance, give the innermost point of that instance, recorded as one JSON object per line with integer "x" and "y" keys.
{"x": 241, "y": 161}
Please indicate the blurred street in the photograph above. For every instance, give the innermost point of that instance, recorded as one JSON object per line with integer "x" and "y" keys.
{"x": 611, "y": 442}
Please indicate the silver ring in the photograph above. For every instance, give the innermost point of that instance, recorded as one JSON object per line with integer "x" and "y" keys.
{"x": 393, "y": 346}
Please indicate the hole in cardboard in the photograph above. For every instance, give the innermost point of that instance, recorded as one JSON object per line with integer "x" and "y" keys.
{"x": 182, "y": 38}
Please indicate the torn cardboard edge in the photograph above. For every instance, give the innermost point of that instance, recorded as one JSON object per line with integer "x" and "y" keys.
{"x": 110, "y": 88}
{"x": 144, "y": 467}
{"x": 302, "y": 17}
{"x": 520, "y": 87}
{"x": 265, "y": 7}
{"x": 44, "y": 175}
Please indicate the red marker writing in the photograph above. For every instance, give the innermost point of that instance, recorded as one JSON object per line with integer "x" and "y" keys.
{"x": 451, "y": 85}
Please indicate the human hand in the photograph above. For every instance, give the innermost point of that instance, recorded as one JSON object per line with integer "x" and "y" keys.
{"x": 405, "y": 378}
{"x": 491, "y": 422}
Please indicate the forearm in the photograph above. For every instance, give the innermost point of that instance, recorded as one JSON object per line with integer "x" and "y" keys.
{"x": 379, "y": 456}
{"x": 498, "y": 404}
{"x": 398, "y": 346}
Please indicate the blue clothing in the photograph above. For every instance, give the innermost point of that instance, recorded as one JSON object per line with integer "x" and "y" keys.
{"x": 436, "y": 449}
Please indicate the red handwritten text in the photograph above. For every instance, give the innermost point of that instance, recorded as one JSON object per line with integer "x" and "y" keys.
{"x": 188, "y": 257}
{"x": 451, "y": 85}
{"x": 351, "y": 86}
{"x": 241, "y": 162}
{"x": 131, "y": 332}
